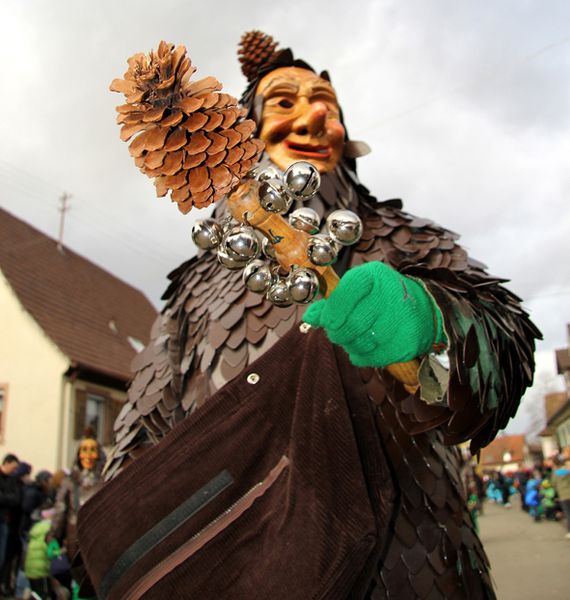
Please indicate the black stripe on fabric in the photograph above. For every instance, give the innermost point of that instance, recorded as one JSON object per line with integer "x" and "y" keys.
{"x": 163, "y": 529}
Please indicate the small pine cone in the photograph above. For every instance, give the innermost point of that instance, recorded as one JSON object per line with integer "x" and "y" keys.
{"x": 190, "y": 137}
{"x": 255, "y": 49}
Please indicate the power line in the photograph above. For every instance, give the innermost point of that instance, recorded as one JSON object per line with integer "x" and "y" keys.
{"x": 91, "y": 204}
{"x": 57, "y": 189}
{"x": 140, "y": 250}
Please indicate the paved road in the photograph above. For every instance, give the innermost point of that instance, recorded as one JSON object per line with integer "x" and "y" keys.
{"x": 529, "y": 561}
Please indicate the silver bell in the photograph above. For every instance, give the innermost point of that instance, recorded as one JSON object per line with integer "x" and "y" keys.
{"x": 279, "y": 294}
{"x": 273, "y": 197}
{"x": 241, "y": 243}
{"x": 321, "y": 250}
{"x": 229, "y": 261}
{"x": 268, "y": 248}
{"x": 305, "y": 219}
{"x": 303, "y": 285}
{"x": 302, "y": 180}
{"x": 344, "y": 226}
{"x": 207, "y": 234}
{"x": 269, "y": 172}
{"x": 257, "y": 277}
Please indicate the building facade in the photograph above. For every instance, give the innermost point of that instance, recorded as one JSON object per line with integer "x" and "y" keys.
{"x": 69, "y": 331}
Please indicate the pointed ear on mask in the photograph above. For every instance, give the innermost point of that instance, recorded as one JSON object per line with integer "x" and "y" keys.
{"x": 354, "y": 149}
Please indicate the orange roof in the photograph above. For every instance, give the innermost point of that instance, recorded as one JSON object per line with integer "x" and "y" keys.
{"x": 87, "y": 312}
{"x": 494, "y": 453}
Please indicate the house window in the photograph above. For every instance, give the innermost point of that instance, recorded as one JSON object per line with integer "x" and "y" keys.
{"x": 95, "y": 414}
{"x": 3, "y": 398}
{"x": 97, "y": 411}
{"x": 564, "y": 434}
{"x": 89, "y": 412}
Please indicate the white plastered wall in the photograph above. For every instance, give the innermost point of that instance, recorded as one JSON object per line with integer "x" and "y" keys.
{"x": 32, "y": 367}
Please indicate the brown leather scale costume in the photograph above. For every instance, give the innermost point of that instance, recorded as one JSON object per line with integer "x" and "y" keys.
{"x": 212, "y": 328}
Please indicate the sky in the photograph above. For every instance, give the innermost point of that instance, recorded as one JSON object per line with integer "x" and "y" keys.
{"x": 465, "y": 105}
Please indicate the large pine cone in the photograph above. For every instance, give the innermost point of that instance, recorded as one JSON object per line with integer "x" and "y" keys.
{"x": 191, "y": 138}
{"x": 255, "y": 49}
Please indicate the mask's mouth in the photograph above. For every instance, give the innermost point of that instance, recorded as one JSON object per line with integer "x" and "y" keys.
{"x": 309, "y": 150}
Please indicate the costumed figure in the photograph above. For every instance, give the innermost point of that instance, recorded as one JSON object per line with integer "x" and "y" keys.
{"x": 436, "y": 348}
{"x": 74, "y": 490}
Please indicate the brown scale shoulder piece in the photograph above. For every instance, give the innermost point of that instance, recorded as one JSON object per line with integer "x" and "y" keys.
{"x": 491, "y": 338}
{"x": 210, "y": 329}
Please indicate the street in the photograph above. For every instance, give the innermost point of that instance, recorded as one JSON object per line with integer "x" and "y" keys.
{"x": 529, "y": 560}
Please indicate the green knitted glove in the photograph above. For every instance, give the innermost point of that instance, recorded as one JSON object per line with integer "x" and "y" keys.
{"x": 75, "y": 592}
{"x": 53, "y": 549}
{"x": 379, "y": 316}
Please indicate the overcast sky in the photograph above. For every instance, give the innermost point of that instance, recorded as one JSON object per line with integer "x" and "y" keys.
{"x": 465, "y": 105}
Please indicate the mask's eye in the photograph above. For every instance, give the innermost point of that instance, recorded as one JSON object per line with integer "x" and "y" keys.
{"x": 284, "y": 103}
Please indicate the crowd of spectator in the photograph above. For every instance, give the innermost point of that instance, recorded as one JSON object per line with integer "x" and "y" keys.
{"x": 26, "y": 509}
{"x": 38, "y": 522}
{"x": 544, "y": 491}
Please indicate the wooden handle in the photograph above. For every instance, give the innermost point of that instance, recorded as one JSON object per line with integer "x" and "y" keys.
{"x": 290, "y": 244}
{"x": 291, "y": 249}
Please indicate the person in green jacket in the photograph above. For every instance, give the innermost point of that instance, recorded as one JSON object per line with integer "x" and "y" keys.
{"x": 37, "y": 564}
{"x": 548, "y": 500}
{"x": 561, "y": 483}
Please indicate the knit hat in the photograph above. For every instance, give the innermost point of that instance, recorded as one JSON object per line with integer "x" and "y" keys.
{"x": 23, "y": 469}
{"x": 43, "y": 476}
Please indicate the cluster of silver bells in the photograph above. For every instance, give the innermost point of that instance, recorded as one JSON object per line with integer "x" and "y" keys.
{"x": 240, "y": 246}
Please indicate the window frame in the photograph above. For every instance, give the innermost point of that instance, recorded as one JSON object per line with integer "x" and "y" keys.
{"x": 110, "y": 410}
{"x": 4, "y": 394}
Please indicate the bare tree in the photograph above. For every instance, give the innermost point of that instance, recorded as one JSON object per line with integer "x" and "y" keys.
{"x": 533, "y": 403}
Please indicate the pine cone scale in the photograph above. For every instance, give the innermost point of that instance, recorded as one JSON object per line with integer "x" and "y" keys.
{"x": 154, "y": 160}
{"x": 173, "y": 119}
{"x": 194, "y": 160}
{"x": 215, "y": 159}
{"x": 176, "y": 140}
{"x": 195, "y": 121}
{"x": 198, "y": 143}
{"x": 214, "y": 121}
{"x": 219, "y": 142}
{"x": 190, "y": 105}
{"x": 173, "y": 162}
